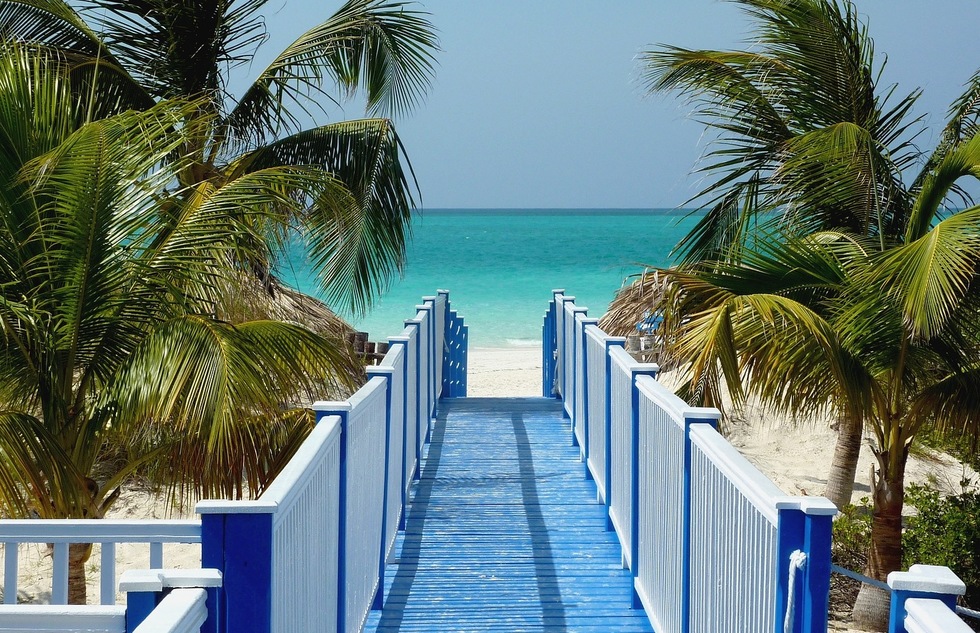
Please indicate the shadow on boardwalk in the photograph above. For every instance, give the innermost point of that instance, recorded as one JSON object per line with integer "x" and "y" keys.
{"x": 503, "y": 532}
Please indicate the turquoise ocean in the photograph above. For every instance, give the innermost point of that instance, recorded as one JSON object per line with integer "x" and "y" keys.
{"x": 500, "y": 265}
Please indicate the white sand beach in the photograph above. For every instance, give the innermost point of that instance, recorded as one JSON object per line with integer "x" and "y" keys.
{"x": 796, "y": 455}
{"x": 504, "y": 372}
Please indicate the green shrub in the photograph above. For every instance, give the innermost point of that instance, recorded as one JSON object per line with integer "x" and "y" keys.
{"x": 945, "y": 531}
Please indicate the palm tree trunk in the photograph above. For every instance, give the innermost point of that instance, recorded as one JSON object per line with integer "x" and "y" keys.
{"x": 78, "y": 555}
{"x": 871, "y": 608}
{"x": 840, "y": 480}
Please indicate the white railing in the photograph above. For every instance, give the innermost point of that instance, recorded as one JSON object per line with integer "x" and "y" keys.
{"x": 425, "y": 389}
{"x": 158, "y": 601}
{"x": 351, "y": 479}
{"x": 661, "y": 571}
{"x": 392, "y": 369}
{"x": 567, "y": 362}
{"x": 623, "y": 425}
{"x": 60, "y": 533}
{"x": 439, "y": 331}
{"x": 302, "y": 507}
{"x": 620, "y": 452}
{"x": 928, "y": 615}
{"x": 580, "y": 415}
{"x": 710, "y": 541}
{"x": 597, "y": 357}
{"x": 310, "y": 553}
{"x": 734, "y": 535}
{"x": 180, "y": 611}
{"x": 408, "y": 341}
{"x": 363, "y": 509}
{"x": 307, "y": 498}
{"x": 62, "y": 619}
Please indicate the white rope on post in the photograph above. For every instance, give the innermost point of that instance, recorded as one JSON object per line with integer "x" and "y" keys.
{"x": 797, "y": 560}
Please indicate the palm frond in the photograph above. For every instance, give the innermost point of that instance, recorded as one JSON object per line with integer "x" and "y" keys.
{"x": 840, "y": 177}
{"x": 378, "y": 45}
{"x": 931, "y": 275}
{"x": 952, "y": 403}
{"x": 963, "y": 123}
{"x": 228, "y": 390}
{"x": 37, "y": 476}
{"x": 53, "y": 23}
{"x": 357, "y": 242}
{"x": 723, "y": 230}
{"x": 801, "y": 130}
{"x": 180, "y": 48}
{"x": 961, "y": 161}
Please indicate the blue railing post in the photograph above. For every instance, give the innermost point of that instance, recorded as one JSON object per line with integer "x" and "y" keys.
{"x": 146, "y": 588}
{"x": 238, "y": 543}
{"x": 820, "y": 514}
{"x": 610, "y": 343}
{"x": 549, "y": 348}
{"x": 387, "y": 374}
{"x": 691, "y": 417}
{"x": 454, "y": 356}
{"x": 921, "y": 581}
{"x": 804, "y": 528}
{"x": 790, "y": 531}
{"x": 637, "y": 370}
{"x": 139, "y": 604}
{"x": 341, "y": 410}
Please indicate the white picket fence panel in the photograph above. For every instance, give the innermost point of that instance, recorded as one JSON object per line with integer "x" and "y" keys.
{"x": 106, "y": 532}
{"x": 701, "y": 529}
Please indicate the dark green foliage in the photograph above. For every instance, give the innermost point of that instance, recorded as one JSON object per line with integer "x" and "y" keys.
{"x": 946, "y": 531}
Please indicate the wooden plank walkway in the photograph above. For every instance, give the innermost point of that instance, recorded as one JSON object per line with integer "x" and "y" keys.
{"x": 504, "y": 532}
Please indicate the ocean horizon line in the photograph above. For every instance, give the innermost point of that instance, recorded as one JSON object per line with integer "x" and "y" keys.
{"x": 610, "y": 211}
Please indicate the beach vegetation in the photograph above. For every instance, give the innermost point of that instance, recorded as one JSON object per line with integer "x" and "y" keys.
{"x": 808, "y": 142}
{"x": 945, "y": 530}
{"x": 143, "y": 209}
{"x": 835, "y": 270}
{"x": 380, "y": 51}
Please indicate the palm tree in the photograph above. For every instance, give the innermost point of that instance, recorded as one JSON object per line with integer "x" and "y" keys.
{"x": 151, "y": 50}
{"x": 874, "y": 319}
{"x": 807, "y": 144}
{"x": 111, "y": 276}
{"x": 801, "y": 322}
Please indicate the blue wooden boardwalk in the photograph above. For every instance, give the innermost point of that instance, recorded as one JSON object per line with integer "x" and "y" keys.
{"x": 504, "y": 532}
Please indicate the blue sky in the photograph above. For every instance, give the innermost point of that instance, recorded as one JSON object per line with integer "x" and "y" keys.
{"x": 535, "y": 102}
